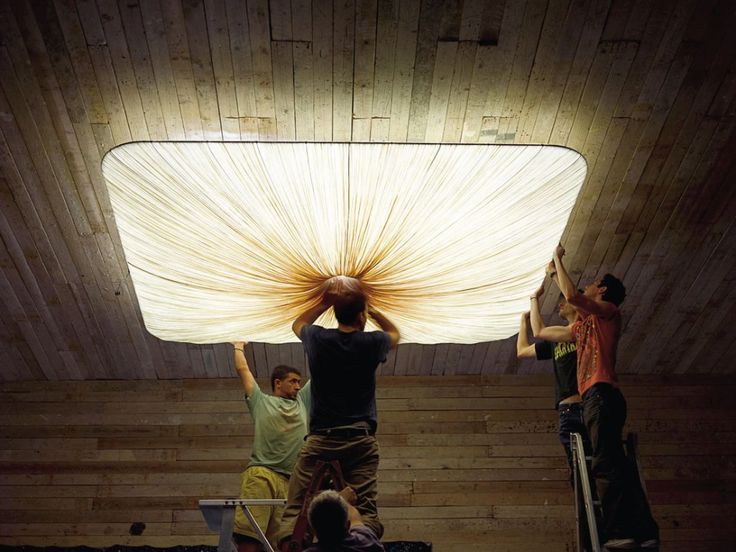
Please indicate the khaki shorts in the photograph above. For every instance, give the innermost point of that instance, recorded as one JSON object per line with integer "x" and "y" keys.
{"x": 260, "y": 482}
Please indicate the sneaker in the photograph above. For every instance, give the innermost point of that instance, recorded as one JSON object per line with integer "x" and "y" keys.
{"x": 621, "y": 544}
{"x": 649, "y": 544}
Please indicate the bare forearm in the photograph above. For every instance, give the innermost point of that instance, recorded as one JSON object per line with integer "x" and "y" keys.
{"x": 535, "y": 317}
{"x": 354, "y": 516}
{"x": 522, "y": 341}
{"x": 241, "y": 365}
{"x": 350, "y": 498}
{"x": 563, "y": 278}
{"x": 308, "y": 317}
{"x": 556, "y": 333}
{"x": 386, "y": 325}
{"x": 552, "y": 272}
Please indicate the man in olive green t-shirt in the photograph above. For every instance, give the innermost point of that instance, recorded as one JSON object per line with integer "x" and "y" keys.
{"x": 281, "y": 421}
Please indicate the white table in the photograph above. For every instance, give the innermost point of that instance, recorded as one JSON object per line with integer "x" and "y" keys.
{"x": 220, "y": 517}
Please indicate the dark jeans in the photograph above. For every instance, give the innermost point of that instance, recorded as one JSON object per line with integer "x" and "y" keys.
{"x": 624, "y": 507}
{"x": 358, "y": 457}
{"x": 571, "y": 421}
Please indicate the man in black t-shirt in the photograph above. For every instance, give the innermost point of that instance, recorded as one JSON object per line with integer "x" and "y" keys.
{"x": 342, "y": 423}
{"x": 564, "y": 363}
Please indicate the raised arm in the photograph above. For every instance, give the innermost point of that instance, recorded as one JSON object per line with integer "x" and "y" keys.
{"x": 578, "y": 300}
{"x": 386, "y": 325}
{"x": 539, "y": 330}
{"x": 551, "y": 271}
{"x": 523, "y": 348}
{"x": 563, "y": 278}
{"x": 309, "y": 316}
{"x": 241, "y": 365}
{"x": 556, "y": 333}
{"x": 534, "y": 315}
{"x": 587, "y": 305}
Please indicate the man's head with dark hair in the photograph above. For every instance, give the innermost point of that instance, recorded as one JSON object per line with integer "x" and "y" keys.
{"x": 615, "y": 291}
{"x": 328, "y": 516}
{"x": 286, "y": 381}
{"x": 609, "y": 288}
{"x": 350, "y": 308}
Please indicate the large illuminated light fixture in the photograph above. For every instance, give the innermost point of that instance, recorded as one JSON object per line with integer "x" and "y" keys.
{"x": 230, "y": 241}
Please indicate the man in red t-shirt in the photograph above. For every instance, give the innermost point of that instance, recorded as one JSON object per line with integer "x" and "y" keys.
{"x": 626, "y": 522}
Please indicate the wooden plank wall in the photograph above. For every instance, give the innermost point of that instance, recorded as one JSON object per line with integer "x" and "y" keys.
{"x": 468, "y": 462}
{"x": 644, "y": 89}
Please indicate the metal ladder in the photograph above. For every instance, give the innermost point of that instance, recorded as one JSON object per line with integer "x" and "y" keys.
{"x": 584, "y": 503}
{"x": 583, "y": 496}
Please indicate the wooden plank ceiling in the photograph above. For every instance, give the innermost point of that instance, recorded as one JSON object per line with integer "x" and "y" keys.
{"x": 643, "y": 89}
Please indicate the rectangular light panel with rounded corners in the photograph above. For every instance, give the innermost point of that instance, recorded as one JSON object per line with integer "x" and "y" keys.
{"x": 231, "y": 240}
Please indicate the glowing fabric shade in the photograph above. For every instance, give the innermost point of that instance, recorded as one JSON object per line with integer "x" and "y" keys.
{"x": 229, "y": 241}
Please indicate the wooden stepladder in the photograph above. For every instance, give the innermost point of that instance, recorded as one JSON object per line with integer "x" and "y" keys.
{"x": 220, "y": 514}
{"x": 323, "y": 471}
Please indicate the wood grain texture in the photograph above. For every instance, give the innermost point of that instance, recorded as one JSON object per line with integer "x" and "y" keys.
{"x": 465, "y": 460}
{"x": 645, "y": 90}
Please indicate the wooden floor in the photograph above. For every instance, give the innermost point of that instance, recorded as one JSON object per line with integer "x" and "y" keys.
{"x": 467, "y": 462}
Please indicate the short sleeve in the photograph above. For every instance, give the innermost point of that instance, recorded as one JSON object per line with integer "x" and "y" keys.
{"x": 383, "y": 344}
{"x": 543, "y": 350}
{"x": 307, "y": 332}
{"x": 305, "y": 396}
{"x": 255, "y": 400}
{"x": 307, "y": 335}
